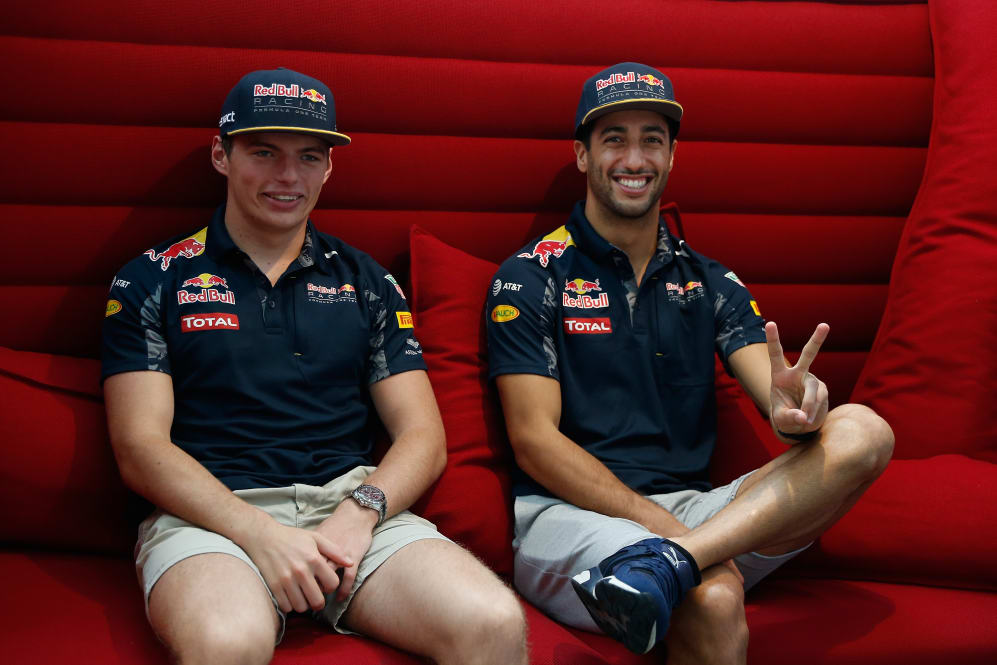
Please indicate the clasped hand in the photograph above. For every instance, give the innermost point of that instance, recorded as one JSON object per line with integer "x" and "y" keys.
{"x": 798, "y": 398}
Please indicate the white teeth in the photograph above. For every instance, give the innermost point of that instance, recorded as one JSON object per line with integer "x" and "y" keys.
{"x": 632, "y": 184}
{"x": 284, "y": 197}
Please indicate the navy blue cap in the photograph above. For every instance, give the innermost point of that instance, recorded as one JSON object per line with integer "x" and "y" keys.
{"x": 280, "y": 100}
{"x": 628, "y": 85}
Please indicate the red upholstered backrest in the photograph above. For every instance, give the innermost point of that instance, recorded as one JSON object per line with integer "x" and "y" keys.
{"x": 801, "y": 151}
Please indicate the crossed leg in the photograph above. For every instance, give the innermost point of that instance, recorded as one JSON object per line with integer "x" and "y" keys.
{"x": 435, "y": 599}
{"x": 797, "y": 496}
{"x": 780, "y": 508}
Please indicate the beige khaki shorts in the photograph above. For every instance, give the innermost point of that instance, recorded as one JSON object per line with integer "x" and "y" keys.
{"x": 164, "y": 539}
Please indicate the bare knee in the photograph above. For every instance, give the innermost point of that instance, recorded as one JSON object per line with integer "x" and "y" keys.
{"x": 709, "y": 626}
{"x": 222, "y": 642}
{"x": 492, "y": 629}
{"x": 860, "y": 441}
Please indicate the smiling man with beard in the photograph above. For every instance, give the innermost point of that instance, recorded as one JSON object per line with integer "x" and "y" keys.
{"x": 602, "y": 336}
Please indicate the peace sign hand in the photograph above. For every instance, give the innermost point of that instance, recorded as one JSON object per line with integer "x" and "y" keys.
{"x": 798, "y": 398}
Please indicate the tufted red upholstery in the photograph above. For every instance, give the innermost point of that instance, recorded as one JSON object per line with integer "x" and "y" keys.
{"x": 804, "y": 146}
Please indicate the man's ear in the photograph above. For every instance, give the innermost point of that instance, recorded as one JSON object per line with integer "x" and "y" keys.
{"x": 328, "y": 166}
{"x": 671, "y": 160}
{"x": 219, "y": 159}
{"x": 581, "y": 156}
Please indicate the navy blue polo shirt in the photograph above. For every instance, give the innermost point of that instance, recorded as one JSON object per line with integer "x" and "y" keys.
{"x": 635, "y": 364}
{"x": 270, "y": 382}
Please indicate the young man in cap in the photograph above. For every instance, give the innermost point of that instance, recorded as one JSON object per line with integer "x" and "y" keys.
{"x": 603, "y": 352}
{"x": 239, "y": 365}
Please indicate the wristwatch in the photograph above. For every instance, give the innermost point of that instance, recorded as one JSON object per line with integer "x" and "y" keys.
{"x": 371, "y": 497}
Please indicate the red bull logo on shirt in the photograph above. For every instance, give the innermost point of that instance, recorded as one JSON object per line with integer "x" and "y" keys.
{"x": 208, "y": 284}
{"x": 551, "y": 245}
{"x": 581, "y": 286}
{"x": 187, "y": 248}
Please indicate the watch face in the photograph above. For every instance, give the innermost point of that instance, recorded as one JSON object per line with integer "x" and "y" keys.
{"x": 371, "y": 493}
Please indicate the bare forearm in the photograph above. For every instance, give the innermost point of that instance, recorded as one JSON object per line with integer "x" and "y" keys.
{"x": 576, "y": 476}
{"x": 177, "y": 483}
{"x": 413, "y": 462}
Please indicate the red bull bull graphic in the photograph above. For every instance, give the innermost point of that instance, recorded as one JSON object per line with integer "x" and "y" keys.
{"x": 594, "y": 326}
{"x": 581, "y": 286}
{"x": 651, "y": 79}
{"x": 208, "y": 285}
{"x": 551, "y": 245}
{"x": 313, "y": 95}
{"x": 187, "y": 248}
{"x": 211, "y": 321}
{"x": 347, "y": 288}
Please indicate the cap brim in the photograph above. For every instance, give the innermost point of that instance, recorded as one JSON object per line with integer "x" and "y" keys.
{"x": 334, "y": 138}
{"x": 667, "y": 108}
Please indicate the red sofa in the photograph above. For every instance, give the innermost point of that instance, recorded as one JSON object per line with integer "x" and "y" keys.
{"x": 838, "y": 155}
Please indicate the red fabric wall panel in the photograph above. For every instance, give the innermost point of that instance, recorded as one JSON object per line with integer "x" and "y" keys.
{"x": 479, "y": 173}
{"x": 445, "y": 97}
{"x": 94, "y": 241}
{"x": 54, "y": 319}
{"x": 812, "y": 37}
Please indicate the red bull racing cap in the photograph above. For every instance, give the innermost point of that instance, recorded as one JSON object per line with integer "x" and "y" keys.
{"x": 280, "y": 100}
{"x": 628, "y": 85}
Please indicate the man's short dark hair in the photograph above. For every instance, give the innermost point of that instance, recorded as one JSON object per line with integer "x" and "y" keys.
{"x": 585, "y": 132}
{"x": 227, "y": 145}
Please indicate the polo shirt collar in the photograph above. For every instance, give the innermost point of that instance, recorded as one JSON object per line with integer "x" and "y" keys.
{"x": 314, "y": 252}
{"x": 590, "y": 242}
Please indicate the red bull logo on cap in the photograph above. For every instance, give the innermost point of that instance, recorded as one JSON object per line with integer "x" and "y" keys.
{"x": 651, "y": 79}
{"x": 188, "y": 248}
{"x": 313, "y": 95}
{"x": 277, "y": 90}
{"x": 551, "y": 245}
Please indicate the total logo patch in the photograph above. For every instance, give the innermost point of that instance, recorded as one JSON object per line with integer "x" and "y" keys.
{"x": 504, "y": 313}
{"x": 208, "y": 286}
{"x": 404, "y": 319}
{"x": 211, "y": 321}
{"x": 594, "y": 326}
{"x": 113, "y": 307}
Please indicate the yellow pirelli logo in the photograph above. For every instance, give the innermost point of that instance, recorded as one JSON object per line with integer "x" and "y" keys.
{"x": 404, "y": 319}
{"x": 754, "y": 306}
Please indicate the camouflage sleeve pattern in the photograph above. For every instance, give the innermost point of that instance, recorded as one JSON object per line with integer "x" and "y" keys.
{"x": 521, "y": 319}
{"x": 737, "y": 319}
{"x": 133, "y": 336}
{"x": 393, "y": 346}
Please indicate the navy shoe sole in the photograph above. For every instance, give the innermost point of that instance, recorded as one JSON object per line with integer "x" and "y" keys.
{"x": 621, "y": 611}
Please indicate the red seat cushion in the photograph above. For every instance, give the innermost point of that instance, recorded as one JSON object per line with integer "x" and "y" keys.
{"x": 471, "y": 502}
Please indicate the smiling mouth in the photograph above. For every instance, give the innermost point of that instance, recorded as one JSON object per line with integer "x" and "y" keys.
{"x": 284, "y": 198}
{"x": 634, "y": 184}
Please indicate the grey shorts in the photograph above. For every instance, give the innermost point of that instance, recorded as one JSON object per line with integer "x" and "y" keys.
{"x": 555, "y": 540}
{"x": 164, "y": 539}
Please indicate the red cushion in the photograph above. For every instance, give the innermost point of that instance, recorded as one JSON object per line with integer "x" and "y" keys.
{"x": 471, "y": 502}
{"x": 60, "y": 485}
{"x": 926, "y": 521}
{"x": 931, "y": 369}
